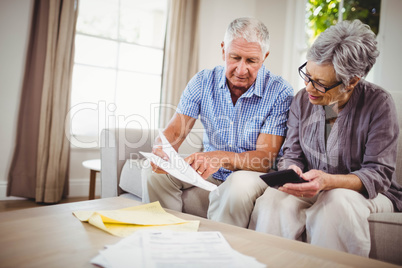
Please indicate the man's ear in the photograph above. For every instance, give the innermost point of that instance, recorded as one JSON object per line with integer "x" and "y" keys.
{"x": 266, "y": 56}
{"x": 223, "y": 50}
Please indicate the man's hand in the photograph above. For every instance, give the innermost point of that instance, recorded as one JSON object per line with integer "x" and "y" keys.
{"x": 157, "y": 150}
{"x": 205, "y": 164}
{"x": 176, "y": 132}
{"x": 316, "y": 182}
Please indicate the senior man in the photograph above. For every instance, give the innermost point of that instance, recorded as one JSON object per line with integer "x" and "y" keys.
{"x": 243, "y": 108}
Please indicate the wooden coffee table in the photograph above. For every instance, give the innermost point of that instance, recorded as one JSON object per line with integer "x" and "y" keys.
{"x": 51, "y": 236}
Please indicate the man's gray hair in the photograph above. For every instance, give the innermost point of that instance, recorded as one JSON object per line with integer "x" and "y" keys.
{"x": 250, "y": 29}
{"x": 350, "y": 46}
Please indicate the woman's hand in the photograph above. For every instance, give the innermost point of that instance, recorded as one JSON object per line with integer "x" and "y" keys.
{"x": 316, "y": 182}
{"x": 205, "y": 164}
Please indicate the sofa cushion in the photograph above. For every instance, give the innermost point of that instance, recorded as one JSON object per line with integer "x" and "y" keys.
{"x": 385, "y": 233}
{"x": 130, "y": 178}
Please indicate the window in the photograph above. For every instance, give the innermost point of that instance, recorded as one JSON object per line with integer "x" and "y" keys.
{"x": 117, "y": 67}
{"x": 321, "y": 14}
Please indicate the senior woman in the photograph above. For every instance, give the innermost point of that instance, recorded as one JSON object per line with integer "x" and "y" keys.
{"x": 342, "y": 138}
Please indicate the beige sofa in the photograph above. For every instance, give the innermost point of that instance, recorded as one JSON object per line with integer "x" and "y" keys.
{"x": 122, "y": 173}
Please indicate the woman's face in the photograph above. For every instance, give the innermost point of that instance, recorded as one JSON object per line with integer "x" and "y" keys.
{"x": 325, "y": 74}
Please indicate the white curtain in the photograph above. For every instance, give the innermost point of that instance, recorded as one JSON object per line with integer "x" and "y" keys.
{"x": 181, "y": 54}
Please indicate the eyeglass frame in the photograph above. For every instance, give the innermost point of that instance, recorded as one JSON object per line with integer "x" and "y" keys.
{"x": 315, "y": 82}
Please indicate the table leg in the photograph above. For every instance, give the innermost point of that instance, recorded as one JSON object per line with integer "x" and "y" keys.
{"x": 92, "y": 184}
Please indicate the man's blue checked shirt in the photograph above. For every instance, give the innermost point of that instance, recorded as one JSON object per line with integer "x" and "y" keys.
{"x": 235, "y": 128}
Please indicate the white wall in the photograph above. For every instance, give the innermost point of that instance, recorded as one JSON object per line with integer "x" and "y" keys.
{"x": 388, "y": 66}
{"x": 273, "y": 14}
{"x": 15, "y": 17}
{"x": 15, "y": 20}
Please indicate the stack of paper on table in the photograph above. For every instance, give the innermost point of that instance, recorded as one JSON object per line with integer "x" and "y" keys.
{"x": 124, "y": 222}
{"x": 173, "y": 249}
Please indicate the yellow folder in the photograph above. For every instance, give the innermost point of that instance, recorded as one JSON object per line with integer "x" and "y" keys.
{"x": 123, "y": 222}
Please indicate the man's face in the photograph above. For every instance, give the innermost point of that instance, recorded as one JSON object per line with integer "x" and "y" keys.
{"x": 243, "y": 60}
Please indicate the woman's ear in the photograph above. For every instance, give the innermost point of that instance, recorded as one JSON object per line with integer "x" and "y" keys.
{"x": 352, "y": 83}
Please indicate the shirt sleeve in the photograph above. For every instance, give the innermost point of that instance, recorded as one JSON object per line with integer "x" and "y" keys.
{"x": 275, "y": 123}
{"x": 292, "y": 151}
{"x": 190, "y": 100}
{"x": 379, "y": 158}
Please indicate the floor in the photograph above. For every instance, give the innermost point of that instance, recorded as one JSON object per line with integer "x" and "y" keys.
{"x": 9, "y": 205}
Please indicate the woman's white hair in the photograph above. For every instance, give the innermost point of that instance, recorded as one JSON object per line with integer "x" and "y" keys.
{"x": 350, "y": 46}
{"x": 250, "y": 29}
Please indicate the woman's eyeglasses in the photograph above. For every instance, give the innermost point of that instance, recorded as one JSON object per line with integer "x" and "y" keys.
{"x": 320, "y": 87}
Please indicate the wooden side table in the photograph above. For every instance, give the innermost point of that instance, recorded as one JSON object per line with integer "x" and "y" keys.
{"x": 94, "y": 166}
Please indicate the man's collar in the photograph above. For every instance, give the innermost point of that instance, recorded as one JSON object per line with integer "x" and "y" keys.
{"x": 256, "y": 88}
{"x": 258, "y": 84}
{"x": 222, "y": 81}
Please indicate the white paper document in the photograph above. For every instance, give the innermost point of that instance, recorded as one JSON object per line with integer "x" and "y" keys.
{"x": 173, "y": 249}
{"x": 177, "y": 166}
